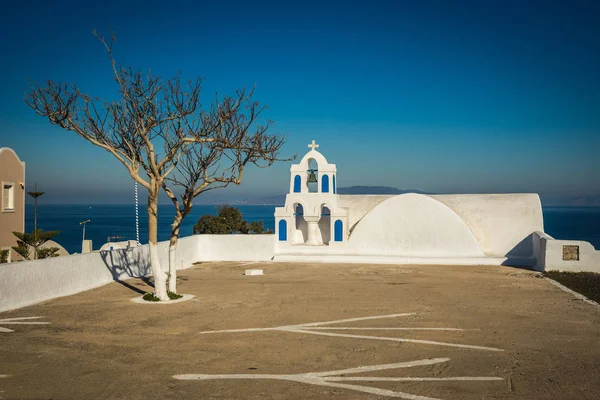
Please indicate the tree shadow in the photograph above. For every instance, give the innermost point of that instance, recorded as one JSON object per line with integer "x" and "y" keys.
{"x": 131, "y": 262}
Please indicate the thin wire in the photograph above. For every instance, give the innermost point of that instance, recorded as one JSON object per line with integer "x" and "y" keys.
{"x": 137, "y": 218}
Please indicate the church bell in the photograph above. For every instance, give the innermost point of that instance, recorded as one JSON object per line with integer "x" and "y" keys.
{"x": 312, "y": 177}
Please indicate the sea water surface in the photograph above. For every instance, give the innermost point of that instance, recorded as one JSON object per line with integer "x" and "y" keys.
{"x": 118, "y": 220}
{"x": 575, "y": 223}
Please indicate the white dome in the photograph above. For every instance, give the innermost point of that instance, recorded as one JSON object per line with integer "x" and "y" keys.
{"x": 413, "y": 225}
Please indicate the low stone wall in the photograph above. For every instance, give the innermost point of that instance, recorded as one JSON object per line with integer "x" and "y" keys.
{"x": 29, "y": 282}
{"x": 565, "y": 255}
{"x": 235, "y": 247}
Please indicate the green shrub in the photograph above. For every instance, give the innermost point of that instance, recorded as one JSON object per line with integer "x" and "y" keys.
{"x": 29, "y": 244}
{"x": 174, "y": 296}
{"x": 4, "y": 256}
{"x": 152, "y": 297}
{"x": 228, "y": 221}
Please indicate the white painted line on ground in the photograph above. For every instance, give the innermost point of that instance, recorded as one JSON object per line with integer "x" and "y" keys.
{"x": 380, "y": 379}
{"x": 375, "y": 391}
{"x": 355, "y": 319}
{"x": 577, "y": 295}
{"x": 19, "y": 321}
{"x": 240, "y": 330}
{"x": 317, "y": 328}
{"x": 379, "y": 367}
{"x": 392, "y": 339}
{"x": 329, "y": 378}
{"x": 310, "y": 324}
{"x": 345, "y": 328}
{"x": 249, "y": 263}
{"x": 4, "y": 376}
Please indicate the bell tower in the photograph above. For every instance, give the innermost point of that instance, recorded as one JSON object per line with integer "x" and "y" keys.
{"x": 313, "y": 168}
{"x": 311, "y": 215}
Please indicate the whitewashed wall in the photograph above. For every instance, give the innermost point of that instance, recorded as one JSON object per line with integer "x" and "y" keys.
{"x": 550, "y": 256}
{"x": 503, "y": 224}
{"x": 413, "y": 225}
{"x": 235, "y": 247}
{"x": 30, "y": 282}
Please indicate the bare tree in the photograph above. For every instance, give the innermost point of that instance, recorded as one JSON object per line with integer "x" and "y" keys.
{"x": 148, "y": 129}
{"x": 213, "y": 165}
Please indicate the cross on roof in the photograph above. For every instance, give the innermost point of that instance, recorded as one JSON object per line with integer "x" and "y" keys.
{"x": 313, "y": 145}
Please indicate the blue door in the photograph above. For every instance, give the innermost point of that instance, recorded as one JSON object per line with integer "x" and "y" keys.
{"x": 338, "y": 231}
{"x": 325, "y": 184}
{"x": 282, "y": 230}
{"x": 297, "y": 183}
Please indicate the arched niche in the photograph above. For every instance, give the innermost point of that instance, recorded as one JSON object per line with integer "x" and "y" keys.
{"x": 297, "y": 184}
{"x": 313, "y": 167}
{"x": 282, "y": 230}
{"x": 325, "y": 183}
{"x": 325, "y": 224}
{"x": 300, "y": 225}
{"x": 313, "y": 155}
{"x": 338, "y": 231}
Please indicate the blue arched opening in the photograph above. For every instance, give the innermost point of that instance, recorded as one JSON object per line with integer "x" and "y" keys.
{"x": 338, "y": 230}
{"x": 334, "y": 188}
{"x": 282, "y": 230}
{"x": 297, "y": 183}
{"x": 325, "y": 184}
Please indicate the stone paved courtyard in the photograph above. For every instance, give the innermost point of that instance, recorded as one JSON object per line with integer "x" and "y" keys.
{"x": 430, "y": 331}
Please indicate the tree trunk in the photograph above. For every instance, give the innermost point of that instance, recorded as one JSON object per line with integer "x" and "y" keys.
{"x": 160, "y": 278}
{"x": 172, "y": 253}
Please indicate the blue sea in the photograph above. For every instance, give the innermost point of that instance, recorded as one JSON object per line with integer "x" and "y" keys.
{"x": 119, "y": 220}
{"x": 576, "y": 223}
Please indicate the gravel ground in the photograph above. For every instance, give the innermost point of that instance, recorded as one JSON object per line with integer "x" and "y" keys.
{"x": 517, "y": 334}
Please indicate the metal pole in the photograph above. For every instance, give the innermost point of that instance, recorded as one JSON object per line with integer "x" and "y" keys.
{"x": 83, "y": 239}
{"x": 35, "y": 212}
{"x": 137, "y": 220}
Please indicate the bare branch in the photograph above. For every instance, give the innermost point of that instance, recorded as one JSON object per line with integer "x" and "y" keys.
{"x": 160, "y": 127}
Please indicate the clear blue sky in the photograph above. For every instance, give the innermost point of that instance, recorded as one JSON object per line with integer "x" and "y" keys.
{"x": 446, "y": 97}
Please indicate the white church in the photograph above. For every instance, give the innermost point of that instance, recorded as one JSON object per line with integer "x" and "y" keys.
{"x": 318, "y": 224}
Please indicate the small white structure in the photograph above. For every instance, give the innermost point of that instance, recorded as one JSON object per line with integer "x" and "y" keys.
{"x": 317, "y": 224}
{"x": 119, "y": 245}
{"x": 86, "y": 246}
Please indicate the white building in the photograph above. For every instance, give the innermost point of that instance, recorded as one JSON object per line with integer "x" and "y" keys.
{"x": 318, "y": 224}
